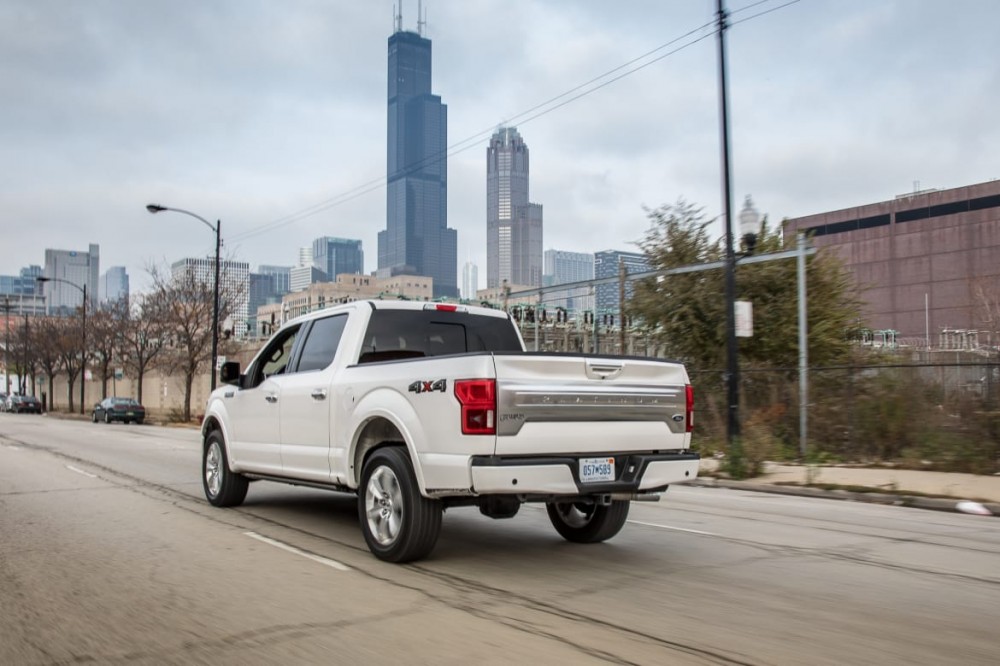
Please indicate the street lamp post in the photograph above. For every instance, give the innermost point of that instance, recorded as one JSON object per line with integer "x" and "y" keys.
{"x": 217, "y": 228}
{"x": 83, "y": 334}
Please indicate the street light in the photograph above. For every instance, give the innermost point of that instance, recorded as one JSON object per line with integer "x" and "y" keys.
{"x": 217, "y": 228}
{"x": 83, "y": 368}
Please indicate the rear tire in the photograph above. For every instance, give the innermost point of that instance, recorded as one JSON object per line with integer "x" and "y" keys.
{"x": 588, "y": 523}
{"x": 93, "y": 417}
{"x": 399, "y": 524}
{"x": 222, "y": 486}
{"x": 107, "y": 417}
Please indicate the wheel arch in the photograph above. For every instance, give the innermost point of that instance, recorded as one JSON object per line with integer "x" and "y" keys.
{"x": 376, "y": 432}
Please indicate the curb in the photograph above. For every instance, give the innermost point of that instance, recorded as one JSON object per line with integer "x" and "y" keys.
{"x": 890, "y": 499}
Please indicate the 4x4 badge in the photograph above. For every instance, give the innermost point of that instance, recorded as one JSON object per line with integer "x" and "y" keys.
{"x": 420, "y": 386}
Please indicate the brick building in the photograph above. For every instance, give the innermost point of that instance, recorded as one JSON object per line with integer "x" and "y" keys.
{"x": 921, "y": 261}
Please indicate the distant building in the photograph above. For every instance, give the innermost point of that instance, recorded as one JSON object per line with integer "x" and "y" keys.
{"x": 306, "y": 273}
{"x": 280, "y": 276}
{"x": 234, "y": 277}
{"x": 82, "y": 269}
{"x": 416, "y": 240}
{"x": 300, "y": 277}
{"x": 562, "y": 267}
{"x": 513, "y": 224}
{"x": 113, "y": 287}
{"x": 918, "y": 259}
{"x": 344, "y": 289}
{"x": 470, "y": 280}
{"x": 336, "y": 256}
{"x": 606, "y": 264}
{"x": 22, "y": 294}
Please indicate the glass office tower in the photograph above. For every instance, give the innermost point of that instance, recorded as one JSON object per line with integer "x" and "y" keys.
{"x": 513, "y": 224}
{"x": 417, "y": 239}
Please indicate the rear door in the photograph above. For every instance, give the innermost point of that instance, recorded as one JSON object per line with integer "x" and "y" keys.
{"x": 555, "y": 403}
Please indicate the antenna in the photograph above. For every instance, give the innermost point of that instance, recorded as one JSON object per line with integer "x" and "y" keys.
{"x": 421, "y": 18}
{"x": 397, "y": 16}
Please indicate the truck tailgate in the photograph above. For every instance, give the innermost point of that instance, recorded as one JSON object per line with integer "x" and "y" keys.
{"x": 552, "y": 403}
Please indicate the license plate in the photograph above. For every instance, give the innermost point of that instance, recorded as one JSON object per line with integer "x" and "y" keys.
{"x": 129, "y": 413}
{"x": 597, "y": 469}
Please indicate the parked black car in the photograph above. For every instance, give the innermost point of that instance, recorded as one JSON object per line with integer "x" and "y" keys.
{"x": 119, "y": 409}
{"x": 20, "y": 404}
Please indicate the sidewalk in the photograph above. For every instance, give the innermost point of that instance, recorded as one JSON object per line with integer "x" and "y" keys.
{"x": 942, "y": 491}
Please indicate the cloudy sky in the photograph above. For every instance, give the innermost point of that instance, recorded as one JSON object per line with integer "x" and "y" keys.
{"x": 271, "y": 116}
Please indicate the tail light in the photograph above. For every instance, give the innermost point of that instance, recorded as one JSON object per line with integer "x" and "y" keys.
{"x": 478, "y": 398}
{"x": 689, "y": 410}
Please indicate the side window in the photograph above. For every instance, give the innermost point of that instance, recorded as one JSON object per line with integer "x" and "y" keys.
{"x": 320, "y": 347}
{"x": 274, "y": 360}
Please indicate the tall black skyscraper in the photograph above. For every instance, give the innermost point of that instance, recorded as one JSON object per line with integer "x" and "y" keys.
{"x": 417, "y": 239}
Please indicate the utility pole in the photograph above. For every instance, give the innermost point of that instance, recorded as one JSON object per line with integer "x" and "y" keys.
{"x": 732, "y": 358}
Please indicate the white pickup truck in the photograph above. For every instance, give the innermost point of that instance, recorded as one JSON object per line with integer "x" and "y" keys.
{"x": 417, "y": 407}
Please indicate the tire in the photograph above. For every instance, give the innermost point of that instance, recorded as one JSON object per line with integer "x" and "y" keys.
{"x": 107, "y": 417}
{"x": 588, "y": 523}
{"x": 93, "y": 417}
{"x": 222, "y": 486}
{"x": 399, "y": 524}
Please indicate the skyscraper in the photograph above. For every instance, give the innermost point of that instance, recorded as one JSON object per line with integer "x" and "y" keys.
{"x": 80, "y": 269}
{"x": 562, "y": 267}
{"x": 606, "y": 265}
{"x": 416, "y": 240}
{"x": 114, "y": 285}
{"x": 335, "y": 256}
{"x": 234, "y": 277}
{"x": 470, "y": 280}
{"x": 513, "y": 225}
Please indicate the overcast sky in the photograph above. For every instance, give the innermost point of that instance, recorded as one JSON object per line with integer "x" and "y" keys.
{"x": 266, "y": 114}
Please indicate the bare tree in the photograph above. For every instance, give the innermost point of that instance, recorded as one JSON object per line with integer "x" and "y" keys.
{"x": 102, "y": 334}
{"x": 185, "y": 305}
{"x": 45, "y": 341}
{"x": 67, "y": 340}
{"x": 142, "y": 336}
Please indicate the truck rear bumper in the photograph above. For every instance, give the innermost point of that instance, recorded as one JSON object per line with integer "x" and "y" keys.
{"x": 560, "y": 475}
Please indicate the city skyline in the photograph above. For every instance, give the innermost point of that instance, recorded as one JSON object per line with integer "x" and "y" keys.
{"x": 216, "y": 113}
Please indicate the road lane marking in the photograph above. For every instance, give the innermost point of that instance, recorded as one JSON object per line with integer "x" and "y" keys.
{"x": 80, "y": 471}
{"x": 292, "y": 549}
{"x": 676, "y": 529}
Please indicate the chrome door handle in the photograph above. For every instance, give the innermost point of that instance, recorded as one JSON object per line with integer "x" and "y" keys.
{"x": 271, "y": 397}
{"x": 319, "y": 394}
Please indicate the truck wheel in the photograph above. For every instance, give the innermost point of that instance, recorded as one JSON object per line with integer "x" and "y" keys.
{"x": 588, "y": 523}
{"x": 222, "y": 486}
{"x": 399, "y": 524}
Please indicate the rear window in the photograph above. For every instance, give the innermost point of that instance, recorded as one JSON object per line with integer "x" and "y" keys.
{"x": 395, "y": 334}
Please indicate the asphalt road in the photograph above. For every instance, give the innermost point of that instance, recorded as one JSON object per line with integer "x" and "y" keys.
{"x": 109, "y": 554}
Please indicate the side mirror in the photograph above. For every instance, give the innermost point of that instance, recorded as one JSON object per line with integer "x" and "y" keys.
{"x": 230, "y": 372}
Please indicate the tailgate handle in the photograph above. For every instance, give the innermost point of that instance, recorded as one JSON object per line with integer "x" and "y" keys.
{"x": 604, "y": 369}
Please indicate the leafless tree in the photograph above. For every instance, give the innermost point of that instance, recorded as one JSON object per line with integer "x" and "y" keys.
{"x": 45, "y": 340}
{"x": 102, "y": 334}
{"x": 142, "y": 336}
{"x": 185, "y": 304}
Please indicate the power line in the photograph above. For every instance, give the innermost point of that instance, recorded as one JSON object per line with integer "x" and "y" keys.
{"x": 523, "y": 117}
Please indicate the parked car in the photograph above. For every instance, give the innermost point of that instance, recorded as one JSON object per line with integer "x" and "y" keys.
{"x": 119, "y": 409}
{"x": 24, "y": 403}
